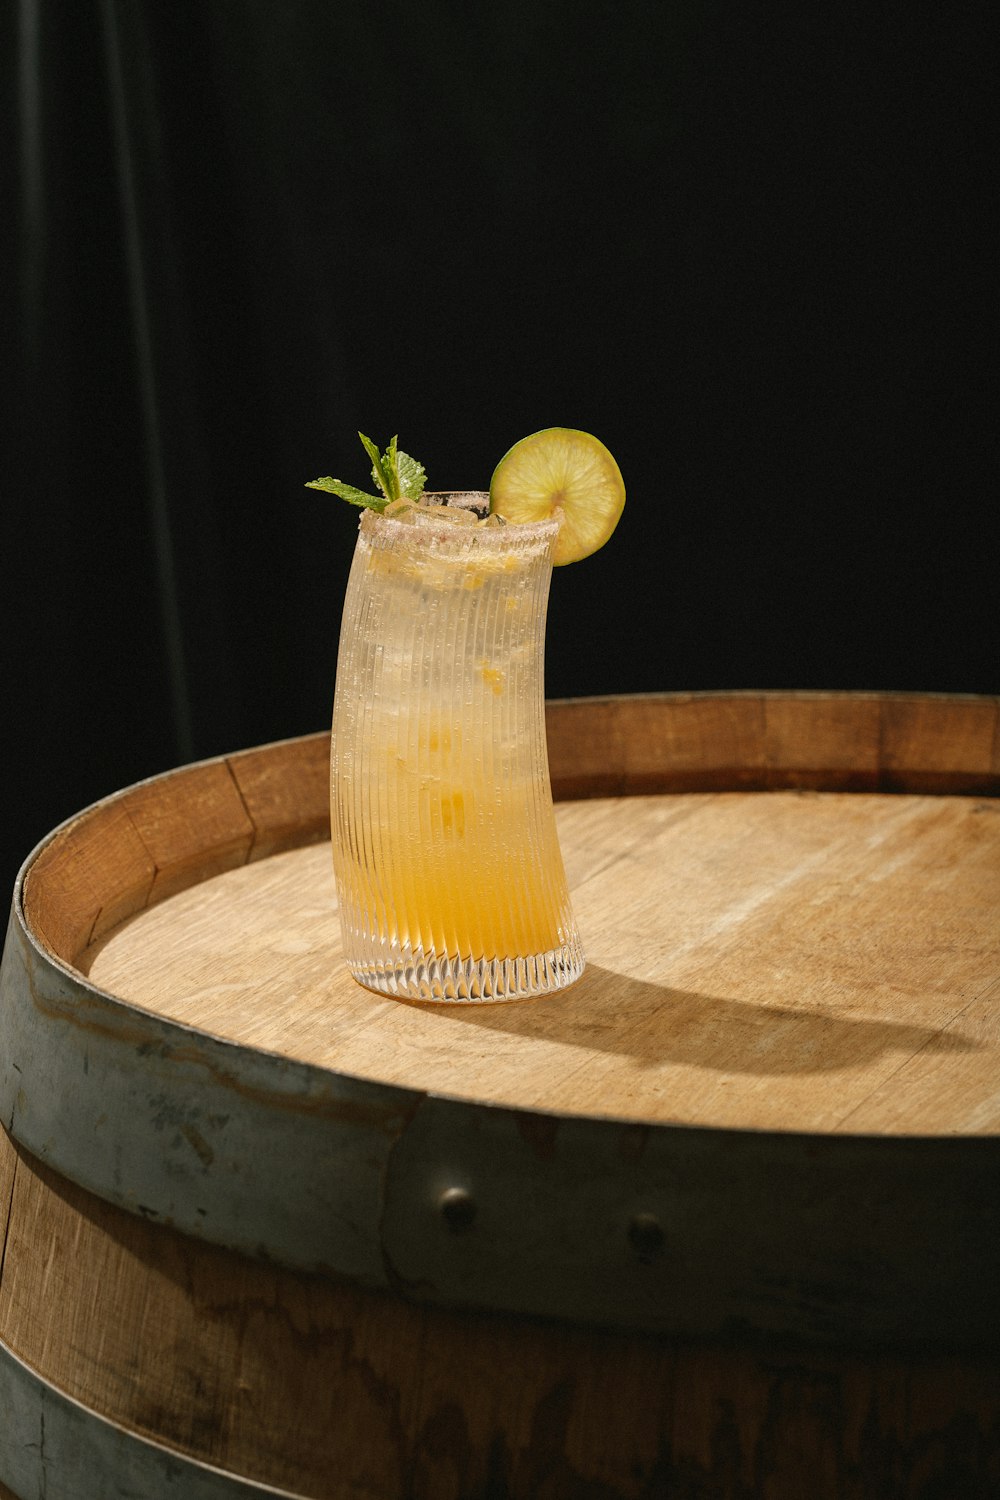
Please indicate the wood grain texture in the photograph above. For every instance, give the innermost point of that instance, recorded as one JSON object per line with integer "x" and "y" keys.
{"x": 163, "y": 835}
{"x": 8, "y": 1167}
{"x": 928, "y": 743}
{"x": 192, "y": 824}
{"x": 285, "y": 790}
{"x": 725, "y": 741}
{"x": 93, "y": 873}
{"x": 333, "y": 1392}
{"x": 808, "y": 961}
{"x": 617, "y": 745}
{"x": 160, "y": 836}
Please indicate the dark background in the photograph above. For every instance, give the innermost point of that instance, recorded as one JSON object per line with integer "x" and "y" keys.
{"x": 742, "y": 244}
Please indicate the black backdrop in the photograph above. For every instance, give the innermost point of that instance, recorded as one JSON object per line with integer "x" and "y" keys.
{"x": 742, "y": 244}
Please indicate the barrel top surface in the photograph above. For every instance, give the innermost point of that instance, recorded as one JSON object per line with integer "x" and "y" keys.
{"x": 790, "y": 960}
{"x": 803, "y": 961}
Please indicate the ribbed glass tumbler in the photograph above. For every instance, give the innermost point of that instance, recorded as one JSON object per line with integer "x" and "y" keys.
{"x": 449, "y": 875}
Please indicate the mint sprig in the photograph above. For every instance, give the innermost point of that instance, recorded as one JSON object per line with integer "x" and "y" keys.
{"x": 397, "y": 475}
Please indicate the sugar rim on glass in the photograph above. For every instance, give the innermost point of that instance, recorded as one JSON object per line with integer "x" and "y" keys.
{"x": 427, "y": 529}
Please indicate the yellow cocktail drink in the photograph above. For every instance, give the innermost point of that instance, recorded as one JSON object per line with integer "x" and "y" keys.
{"x": 450, "y": 879}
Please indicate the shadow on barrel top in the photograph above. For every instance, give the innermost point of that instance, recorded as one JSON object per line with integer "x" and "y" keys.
{"x": 657, "y": 1025}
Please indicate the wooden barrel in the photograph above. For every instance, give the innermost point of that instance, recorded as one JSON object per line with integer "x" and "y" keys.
{"x": 719, "y": 1221}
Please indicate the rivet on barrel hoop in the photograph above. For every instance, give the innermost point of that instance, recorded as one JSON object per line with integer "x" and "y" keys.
{"x": 458, "y": 1209}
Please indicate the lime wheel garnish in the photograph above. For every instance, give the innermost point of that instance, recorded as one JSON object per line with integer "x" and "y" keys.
{"x": 564, "y": 473}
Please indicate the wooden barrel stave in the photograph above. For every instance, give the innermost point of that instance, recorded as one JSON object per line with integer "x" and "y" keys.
{"x": 312, "y": 1386}
{"x": 852, "y": 742}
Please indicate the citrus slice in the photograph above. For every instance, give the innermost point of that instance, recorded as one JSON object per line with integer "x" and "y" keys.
{"x": 565, "y": 473}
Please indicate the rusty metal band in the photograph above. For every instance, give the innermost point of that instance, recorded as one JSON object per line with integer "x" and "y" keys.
{"x": 52, "y": 1445}
{"x": 663, "y": 1229}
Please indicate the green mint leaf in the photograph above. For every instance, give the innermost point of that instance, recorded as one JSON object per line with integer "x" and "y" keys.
{"x": 348, "y": 492}
{"x": 396, "y": 474}
{"x": 378, "y": 472}
{"x": 412, "y": 476}
{"x": 389, "y": 469}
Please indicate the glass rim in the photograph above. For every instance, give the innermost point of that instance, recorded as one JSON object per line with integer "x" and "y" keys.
{"x": 428, "y": 529}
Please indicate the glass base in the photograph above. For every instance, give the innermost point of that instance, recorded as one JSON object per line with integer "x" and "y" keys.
{"x": 464, "y": 981}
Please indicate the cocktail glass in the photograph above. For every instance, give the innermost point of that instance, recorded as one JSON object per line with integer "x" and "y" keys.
{"x": 450, "y": 879}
